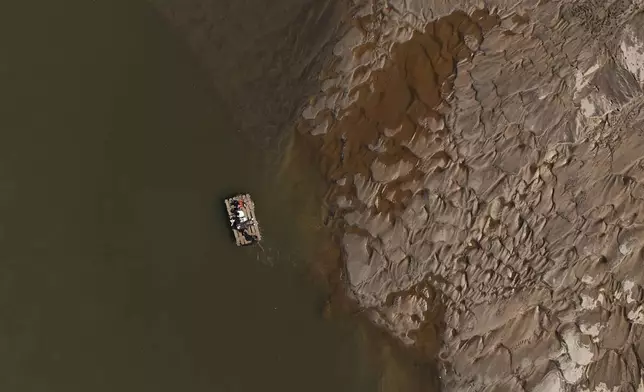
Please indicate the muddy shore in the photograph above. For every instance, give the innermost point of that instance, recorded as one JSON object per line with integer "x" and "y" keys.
{"x": 484, "y": 177}
{"x": 370, "y": 140}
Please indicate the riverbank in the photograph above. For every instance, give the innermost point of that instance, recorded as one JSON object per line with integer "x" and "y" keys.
{"x": 400, "y": 367}
{"x": 369, "y": 165}
{"x": 483, "y": 172}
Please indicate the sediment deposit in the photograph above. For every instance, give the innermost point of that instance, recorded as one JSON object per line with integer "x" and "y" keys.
{"x": 485, "y": 160}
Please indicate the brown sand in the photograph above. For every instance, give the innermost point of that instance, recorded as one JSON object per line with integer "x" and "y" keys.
{"x": 373, "y": 139}
{"x": 485, "y": 173}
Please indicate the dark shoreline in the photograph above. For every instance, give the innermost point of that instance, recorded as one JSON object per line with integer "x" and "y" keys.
{"x": 266, "y": 67}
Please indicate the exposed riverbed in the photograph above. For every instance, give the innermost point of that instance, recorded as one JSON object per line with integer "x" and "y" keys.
{"x": 485, "y": 173}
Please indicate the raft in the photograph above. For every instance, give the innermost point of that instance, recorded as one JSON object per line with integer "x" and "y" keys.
{"x": 244, "y": 225}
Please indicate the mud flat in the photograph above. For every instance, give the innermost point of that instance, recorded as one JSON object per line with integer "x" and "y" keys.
{"x": 486, "y": 179}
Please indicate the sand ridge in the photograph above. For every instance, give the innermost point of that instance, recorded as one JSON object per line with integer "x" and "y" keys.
{"x": 487, "y": 167}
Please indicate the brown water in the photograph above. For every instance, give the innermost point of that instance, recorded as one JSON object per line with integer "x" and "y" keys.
{"x": 117, "y": 272}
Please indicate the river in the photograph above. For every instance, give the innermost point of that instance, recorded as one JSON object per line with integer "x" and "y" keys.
{"x": 117, "y": 270}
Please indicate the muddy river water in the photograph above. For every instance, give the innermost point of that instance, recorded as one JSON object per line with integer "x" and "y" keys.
{"x": 117, "y": 271}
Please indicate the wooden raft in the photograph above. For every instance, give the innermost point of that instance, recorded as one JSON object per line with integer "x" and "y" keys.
{"x": 249, "y": 209}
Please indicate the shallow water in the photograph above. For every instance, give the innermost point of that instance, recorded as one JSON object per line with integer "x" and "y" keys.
{"x": 117, "y": 272}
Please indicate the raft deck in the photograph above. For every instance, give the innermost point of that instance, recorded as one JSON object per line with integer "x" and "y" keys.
{"x": 252, "y": 229}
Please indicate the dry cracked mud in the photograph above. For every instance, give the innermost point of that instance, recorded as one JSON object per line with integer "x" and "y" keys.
{"x": 485, "y": 168}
